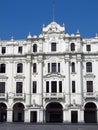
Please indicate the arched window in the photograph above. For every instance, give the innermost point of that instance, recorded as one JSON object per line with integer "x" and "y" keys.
{"x": 73, "y": 67}
{"x": 19, "y": 68}
{"x": 2, "y": 68}
{"x": 72, "y": 47}
{"x": 34, "y": 48}
{"x": 88, "y": 67}
{"x": 34, "y": 68}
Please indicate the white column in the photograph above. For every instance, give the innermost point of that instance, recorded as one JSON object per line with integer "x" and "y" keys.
{"x": 97, "y": 115}
{"x": 10, "y": 89}
{"x": 67, "y": 84}
{"x": 27, "y": 115}
{"x": 40, "y": 78}
{"x": 81, "y": 115}
{"x": 28, "y": 81}
{"x": 9, "y": 115}
{"x": 79, "y": 87}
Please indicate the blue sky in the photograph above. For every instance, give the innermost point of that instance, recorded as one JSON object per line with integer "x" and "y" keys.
{"x": 19, "y": 17}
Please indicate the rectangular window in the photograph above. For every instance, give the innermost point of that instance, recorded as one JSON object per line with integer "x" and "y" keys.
{"x": 89, "y": 86}
{"x": 34, "y": 87}
{"x": 34, "y": 68}
{"x": 60, "y": 86}
{"x": 73, "y": 86}
{"x": 19, "y": 87}
{"x": 53, "y": 86}
{"x": 47, "y": 86}
{"x": 88, "y": 47}
{"x": 2, "y": 87}
{"x": 3, "y": 50}
{"x": 48, "y": 67}
{"x": 53, "y": 67}
{"x": 58, "y": 67}
{"x": 53, "y": 46}
{"x": 20, "y": 49}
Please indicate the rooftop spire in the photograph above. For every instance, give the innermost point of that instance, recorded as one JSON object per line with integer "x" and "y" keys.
{"x": 53, "y": 3}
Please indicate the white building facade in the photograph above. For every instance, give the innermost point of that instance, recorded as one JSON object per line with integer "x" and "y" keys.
{"x": 49, "y": 78}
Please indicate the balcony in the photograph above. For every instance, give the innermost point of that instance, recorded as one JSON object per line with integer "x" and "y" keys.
{"x": 89, "y": 95}
{"x": 53, "y": 95}
{"x": 19, "y": 96}
{"x": 3, "y": 95}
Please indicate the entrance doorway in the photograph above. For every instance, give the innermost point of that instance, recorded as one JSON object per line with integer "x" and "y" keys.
{"x": 18, "y": 112}
{"x": 74, "y": 117}
{"x": 90, "y": 113}
{"x": 54, "y": 113}
{"x": 33, "y": 116}
{"x": 3, "y": 112}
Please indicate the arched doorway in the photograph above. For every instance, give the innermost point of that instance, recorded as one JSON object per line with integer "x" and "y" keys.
{"x": 54, "y": 113}
{"x": 18, "y": 112}
{"x": 3, "y": 112}
{"x": 90, "y": 113}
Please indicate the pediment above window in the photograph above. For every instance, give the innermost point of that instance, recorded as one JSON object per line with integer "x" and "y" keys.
{"x": 54, "y": 75}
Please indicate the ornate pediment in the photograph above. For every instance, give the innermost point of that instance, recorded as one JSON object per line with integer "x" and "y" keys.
{"x": 54, "y": 28}
{"x": 54, "y": 75}
{"x": 89, "y": 76}
{"x": 3, "y": 77}
{"x": 19, "y": 77}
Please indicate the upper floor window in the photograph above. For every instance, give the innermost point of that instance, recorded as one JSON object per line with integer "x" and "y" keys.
{"x": 53, "y": 46}
{"x": 88, "y": 47}
{"x": 54, "y": 86}
{"x": 53, "y": 67}
{"x": 34, "y": 48}
{"x": 2, "y": 68}
{"x": 88, "y": 67}
{"x": 48, "y": 67}
{"x": 72, "y": 46}
{"x": 19, "y": 86}
{"x": 60, "y": 86}
{"x": 19, "y": 68}
{"x": 34, "y": 68}
{"x": 2, "y": 87}
{"x": 20, "y": 49}
{"x": 3, "y": 50}
{"x": 73, "y": 87}
{"x": 58, "y": 67}
{"x": 73, "y": 67}
{"x": 89, "y": 85}
{"x": 34, "y": 87}
{"x": 47, "y": 86}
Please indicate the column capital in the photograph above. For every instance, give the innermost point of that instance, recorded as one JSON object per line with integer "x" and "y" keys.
{"x": 67, "y": 58}
{"x": 40, "y": 59}
{"x": 79, "y": 57}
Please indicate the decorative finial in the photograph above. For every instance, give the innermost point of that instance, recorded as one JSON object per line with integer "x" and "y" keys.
{"x": 29, "y": 36}
{"x": 96, "y": 35}
{"x": 12, "y": 38}
{"x": 78, "y": 32}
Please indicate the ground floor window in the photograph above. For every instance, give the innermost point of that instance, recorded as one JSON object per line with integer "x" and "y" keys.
{"x": 90, "y": 113}
{"x": 54, "y": 113}
{"x": 3, "y": 112}
{"x": 74, "y": 116}
{"x": 18, "y": 112}
{"x": 33, "y": 116}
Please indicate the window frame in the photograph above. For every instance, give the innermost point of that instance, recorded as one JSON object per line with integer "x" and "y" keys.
{"x": 89, "y": 67}
{"x": 19, "y": 87}
{"x": 2, "y": 68}
{"x": 53, "y": 46}
{"x": 34, "y": 89}
{"x": 20, "y": 68}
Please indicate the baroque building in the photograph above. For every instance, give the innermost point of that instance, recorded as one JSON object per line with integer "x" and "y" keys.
{"x": 49, "y": 78}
